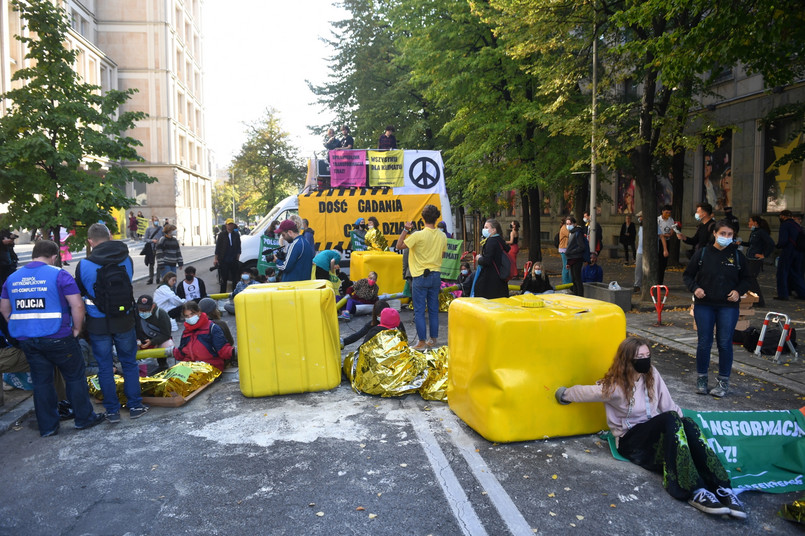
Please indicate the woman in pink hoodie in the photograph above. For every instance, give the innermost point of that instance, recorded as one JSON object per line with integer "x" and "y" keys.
{"x": 651, "y": 432}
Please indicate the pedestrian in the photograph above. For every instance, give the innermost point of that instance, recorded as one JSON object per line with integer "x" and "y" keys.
{"x": 166, "y": 298}
{"x": 8, "y": 257}
{"x": 347, "y": 142}
{"x": 561, "y": 243}
{"x": 536, "y": 281}
{"x": 110, "y": 319}
{"x": 490, "y": 282}
{"x": 168, "y": 252}
{"x": 42, "y": 305}
{"x": 140, "y": 218}
{"x": 387, "y": 140}
{"x": 578, "y": 252}
{"x": 736, "y": 224}
{"x": 718, "y": 276}
{"x": 153, "y": 331}
{"x": 442, "y": 226}
{"x": 247, "y": 278}
{"x": 331, "y": 141}
{"x": 152, "y": 236}
{"x": 357, "y": 236}
{"x": 592, "y": 273}
{"x": 465, "y": 278}
{"x": 325, "y": 263}
{"x": 665, "y": 230}
{"x": 297, "y": 259}
{"x": 227, "y": 255}
{"x": 704, "y": 231}
{"x": 651, "y": 431}
{"x": 514, "y": 247}
{"x": 760, "y": 246}
{"x": 64, "y": 248}
{"x": 627, "y": 237}
{"x": 425, "y": 262}
{"x": 789, "y": 263}
{"x": 308, "y": 233}
{"x": 638, "y": 257}
{"x": 598, "y": 232}
{"x": 132, "y": 225}
{"x": 202, "y": 340}
{"x": 192, "y": 287}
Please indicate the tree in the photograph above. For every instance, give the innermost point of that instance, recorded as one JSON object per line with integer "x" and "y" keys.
{"x": 268, "y": 166}
{"x": 63, "y": 146}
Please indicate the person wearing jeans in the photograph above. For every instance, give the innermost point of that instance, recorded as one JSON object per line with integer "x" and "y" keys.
{"x": 717, "y": 275}
{"x": 425, "y": 260}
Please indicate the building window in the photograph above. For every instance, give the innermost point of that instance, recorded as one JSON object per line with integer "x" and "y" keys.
{"x": 782, "y": 185}
{"x": 717, "y": 173}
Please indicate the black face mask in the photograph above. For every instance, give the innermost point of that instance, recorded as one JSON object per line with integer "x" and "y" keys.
{"x": 189, "y": 278}
{"x": 642, "y": 365}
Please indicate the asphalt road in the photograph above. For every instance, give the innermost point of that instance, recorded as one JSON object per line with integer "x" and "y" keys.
{"x": 337, "y": 462}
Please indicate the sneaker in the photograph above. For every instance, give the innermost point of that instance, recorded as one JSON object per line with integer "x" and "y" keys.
{"x": 431, "y": 342}
{"x": 52, "y": 433}
{"x": 345, "y": 315}
{"x": 705, "y": 501}
{"x": 722, "y": 387}
{"x": 99, "y": 418}
{"x": 65, "y": 410}
{"x": 7, "y": 387}
{"x": 137, "y": 412}
{"x": 112, "y": 418}
{"x": 421, "y": 345}
{"x": 701, "y": 385}
{"x": 731, "y": 501}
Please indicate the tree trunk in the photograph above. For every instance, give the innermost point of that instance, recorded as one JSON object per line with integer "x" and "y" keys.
{"x": 642, "y": 158}
{"x": 525, "y": 229}
{"x": 535, "y": 242}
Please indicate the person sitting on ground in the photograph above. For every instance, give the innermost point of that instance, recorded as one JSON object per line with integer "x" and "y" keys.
{"x": 248, "y": 277}
{"x": 153, "y": 331}
{"x": 203, "y": 340}
{"x": 389, "y": 319}
{"x": 536, "y": 281}
{"x": 376, "y": 310}
{"x": 271, "y": 275}
{"x": 465, "y": 278}
{"x": 364, "y": 292}
{"x": 165, "y": 297}
{"x": 192, "y": 287}
{"x": 210, "y": 308}
{"x": 651, "y": 431}
{"x": 592, "y": 273}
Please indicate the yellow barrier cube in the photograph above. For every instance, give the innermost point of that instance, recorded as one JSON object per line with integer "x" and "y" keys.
{"x": 509, "y": 355}
{"x": 387, "y": 264}
{"x": 287, "y": 338}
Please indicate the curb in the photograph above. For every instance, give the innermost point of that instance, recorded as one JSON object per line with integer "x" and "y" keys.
{"x": 138, "y": 279}
{"x": 18, "y": 413}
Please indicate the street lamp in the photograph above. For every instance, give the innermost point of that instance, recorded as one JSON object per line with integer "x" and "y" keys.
{"x": 593, "y": 176}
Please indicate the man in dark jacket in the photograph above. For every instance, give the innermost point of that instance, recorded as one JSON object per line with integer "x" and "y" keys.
{"x": 153, "y": 328}
{"x": 704, "y": 232}
{"x": 789, "y": 264}
{"x": 106, "y": 331}
{"x": 227, "y": 255}
{"x": 578, "y": 252}
{"x": 152, "y": 236}
{"x": 298, "y": 262}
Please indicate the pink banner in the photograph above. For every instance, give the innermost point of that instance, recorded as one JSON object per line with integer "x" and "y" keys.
{"x": 347, "y": 168}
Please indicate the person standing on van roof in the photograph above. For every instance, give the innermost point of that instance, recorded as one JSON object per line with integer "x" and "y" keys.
{"x": 330, "y": 141}
{"x": 347, "y": 142}
{"x": 227, "y": 255}
{"x": 387, "y": 140}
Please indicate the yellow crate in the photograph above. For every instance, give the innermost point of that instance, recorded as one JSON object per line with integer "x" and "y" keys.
{"x": 508, "y": 356}
{"x": 387, "y": 264}
{"x": 287, "y": 338}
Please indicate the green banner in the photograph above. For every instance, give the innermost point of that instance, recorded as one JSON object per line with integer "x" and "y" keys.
{"x": 266, "y": 242}
{"x": 451, "y": 260}
{"x": 761, "y": 450}
{"x": 182, "y": 372}
{"x": 357, "y": 242}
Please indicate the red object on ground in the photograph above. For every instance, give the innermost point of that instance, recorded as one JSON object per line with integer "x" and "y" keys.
{"x": 659, "y": 293}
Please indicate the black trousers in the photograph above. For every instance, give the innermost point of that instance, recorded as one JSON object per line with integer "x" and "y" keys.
{"x": 662, "y": 264}
{"x": 228, "y": 271}
{"x": 322, "y": 274}
{"x": 575, "y": 275}
{"x": 626, "y": 246}
{"x": 754, "y": 267}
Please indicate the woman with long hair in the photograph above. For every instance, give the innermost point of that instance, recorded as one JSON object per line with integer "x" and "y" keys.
{"x": 489, "y": 282}
{"x": 514, "y": 247}
{"x": 651, "y": 432}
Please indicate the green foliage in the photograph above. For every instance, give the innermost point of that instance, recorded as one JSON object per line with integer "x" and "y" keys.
{"x": 62, "y": 143}
{"x": 268, "y": 167}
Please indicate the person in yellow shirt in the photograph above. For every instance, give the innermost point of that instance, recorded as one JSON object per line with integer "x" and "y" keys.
{"x": 425, "y": 262}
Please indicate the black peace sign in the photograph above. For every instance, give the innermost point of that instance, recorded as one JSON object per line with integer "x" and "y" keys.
{"x": 424, "y": 179}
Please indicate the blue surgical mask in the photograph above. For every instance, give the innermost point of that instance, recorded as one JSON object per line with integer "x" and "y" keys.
{"x": 537, "y": 272}
{"x": 570, "y": 227}
{"x": 465, "y": 272}
{"x": 191, "y": 320}
{"x": 485, "y": 232}
{"x": 245, "y": 277}
{"x": 272, "y": 279}
{"x": 145, "y": 315}
{"x": 698, "y": 218}
{"x": 723, "y": 241}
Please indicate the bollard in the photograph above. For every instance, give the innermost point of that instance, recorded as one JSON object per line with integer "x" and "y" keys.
{"x": 785, "y": 336}
{"x": 659, "y": 301}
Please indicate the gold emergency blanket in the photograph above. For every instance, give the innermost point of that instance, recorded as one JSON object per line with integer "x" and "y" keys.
{"x": 181, "y": 379}
{"x": 386, "y": 366}
{"x": 445, "y": 299}
{"x": 375, "y": 241}
{"x": 794, "y": 512}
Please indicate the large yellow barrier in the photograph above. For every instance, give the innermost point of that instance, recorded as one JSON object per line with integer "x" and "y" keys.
{"x": 508, "y": 356}
{"x": 387, "y": 264}
{"x": 287, "y": 338}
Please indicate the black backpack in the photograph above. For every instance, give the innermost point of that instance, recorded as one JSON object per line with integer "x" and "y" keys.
{"x": 114, "y": 293}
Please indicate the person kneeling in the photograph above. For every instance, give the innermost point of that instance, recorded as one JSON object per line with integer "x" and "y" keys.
{"x": 202, "y": 340}
{"x": 389, "y": 319}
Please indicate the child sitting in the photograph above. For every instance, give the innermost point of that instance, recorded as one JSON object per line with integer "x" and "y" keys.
{"x": 202, "y": 339}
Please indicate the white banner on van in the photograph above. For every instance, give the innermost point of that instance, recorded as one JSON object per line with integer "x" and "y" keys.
{"x": 424, "y": 173}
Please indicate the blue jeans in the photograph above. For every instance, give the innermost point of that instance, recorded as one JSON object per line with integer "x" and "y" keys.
{"x": 126, "y": 345}
{"x": 723, "y": 318}
{"x": 165, "y": 268}
{"x": 566, "y": 277}
{"x": 42, "y": 355}
{"x": 426, "y": 294}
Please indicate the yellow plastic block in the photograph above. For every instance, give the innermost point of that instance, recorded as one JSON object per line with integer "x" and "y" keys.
{"x": 387, "y": 264}
{"x": 287, "y": 338}
{"x": 508, "y": 356}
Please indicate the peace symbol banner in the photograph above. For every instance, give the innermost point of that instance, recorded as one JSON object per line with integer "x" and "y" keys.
{"x": 386, "y": 168}
{"x": 347, "y": 168}
{"x": 424, "y": 173}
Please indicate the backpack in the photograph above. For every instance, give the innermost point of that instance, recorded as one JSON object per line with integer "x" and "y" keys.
{"x": 749, "y": 337}
{"x": 505, "y": 268}
{"x": 114, "y": 294}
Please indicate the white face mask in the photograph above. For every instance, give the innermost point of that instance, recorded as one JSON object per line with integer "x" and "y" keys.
{"x": 586, "y": 220}
{"x": 570, "y": 226}
{"x": 698, "y": 218}
{"x": 485, "y": 232}
{"x": 192, "y": 320}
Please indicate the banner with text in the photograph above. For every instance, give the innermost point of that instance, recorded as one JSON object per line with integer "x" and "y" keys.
{"x": 347, "y": 168}
{"x": 761, "y": 450}
{"x": 451, "y": 260}
{"x": 332, "y": 212}
{"x": 267, "y": 242}
{"x": 386, "y": 168}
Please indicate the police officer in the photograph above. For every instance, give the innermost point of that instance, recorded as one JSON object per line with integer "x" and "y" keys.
{"x": 44, "y": 310}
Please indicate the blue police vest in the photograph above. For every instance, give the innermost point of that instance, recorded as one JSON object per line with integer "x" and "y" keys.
{"x": 36, "y": 309}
